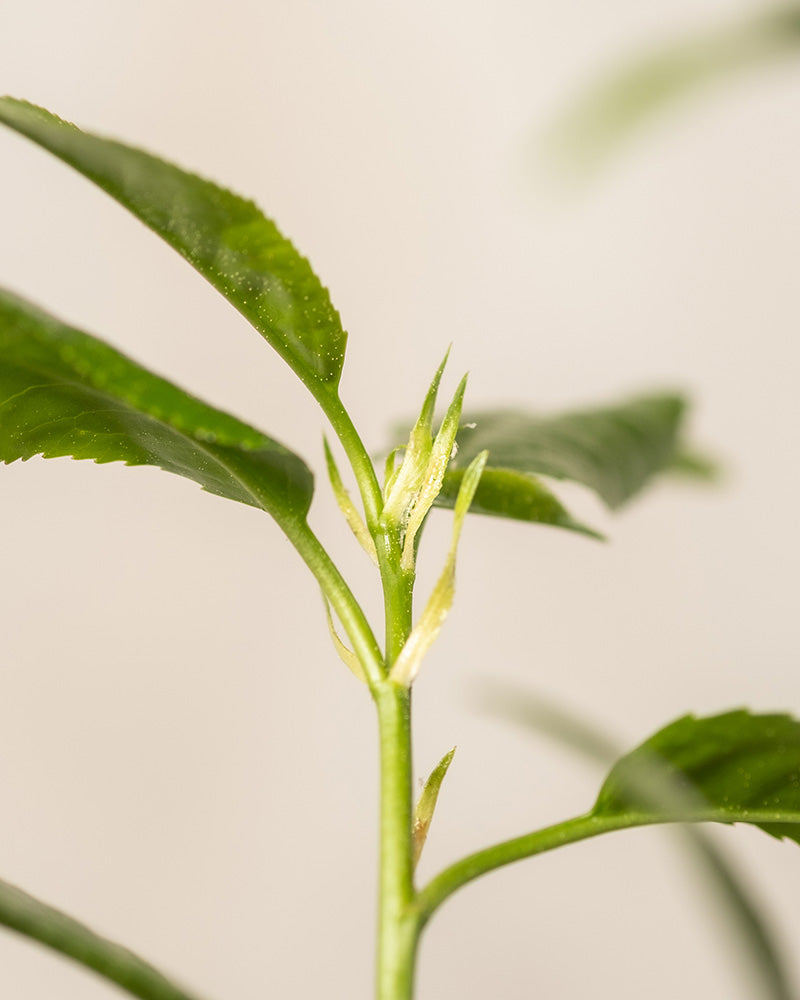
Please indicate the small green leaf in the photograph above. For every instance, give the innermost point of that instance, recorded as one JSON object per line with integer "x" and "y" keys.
{"x": 36, "y": 920}
{"x": 225, "y": 237}
{"x": 63, "y": 392}
{"x": 426, "y": 804}
{"x": 731, "y": 768}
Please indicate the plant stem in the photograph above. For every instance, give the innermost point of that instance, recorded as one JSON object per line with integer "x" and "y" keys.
{"x": 526, "y": 846}
{"x": 336, "y": 590}
{"x": 398, "y": 921}
{"x": 357, "y": 455}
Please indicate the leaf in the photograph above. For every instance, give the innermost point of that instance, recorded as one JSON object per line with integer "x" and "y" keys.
{"x": 613, "y": 451}
{"x": 615, "y": 109}
{"x": 225, "y": 237}
{"x": 515, "y": 495}
{"x": 756, "y": 940}
{"x": 731, "y": 768}
{"x": 33, "y": 919}
{"x": 63, "y": 392}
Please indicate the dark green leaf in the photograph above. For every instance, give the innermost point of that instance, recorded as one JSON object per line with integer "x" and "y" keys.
{"x": 506, "y": 493}
{"x": 225, "y": 237}
{"x": 63, "y": 392}
{"x": 688, "y": 463}
{"x": 731, "y": 768}
{"x": 36, "y": 920}
{"x": 612, "y": 450}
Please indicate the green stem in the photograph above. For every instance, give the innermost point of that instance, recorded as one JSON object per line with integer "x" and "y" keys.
{"x": 398, "y": 593}
{"x": 357, "y": 455}
{"x": 333, "y": 585}
{"x": 398, "y": 921}
{"x": 530, "y": 844}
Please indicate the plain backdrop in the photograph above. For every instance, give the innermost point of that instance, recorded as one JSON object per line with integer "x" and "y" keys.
{"x": 184, "y": 764}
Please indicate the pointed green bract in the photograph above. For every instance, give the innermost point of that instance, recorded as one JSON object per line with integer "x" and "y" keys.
{"x": 63, "y": 392}
{"x": 403, "y": 483}
{"x": 431, "y": 484}
{"x": 731, "y": 768}
{"x": 349, "y": 510}
{"x": 426, "y": 804}
{"x": 225, "y": 237}
{"x": 345, "y": 654}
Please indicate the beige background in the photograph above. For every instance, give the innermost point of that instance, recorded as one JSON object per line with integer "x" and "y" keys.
{"x": 183, "y": 763}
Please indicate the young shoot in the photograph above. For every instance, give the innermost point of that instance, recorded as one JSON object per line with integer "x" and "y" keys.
{"x": 64, "y": 392}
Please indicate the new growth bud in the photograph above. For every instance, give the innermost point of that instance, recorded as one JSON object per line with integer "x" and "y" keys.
{"x": 406, "y": 666}
{"x": 438, "y": 460}
{"x": 403, "y": 484}
{"x": 411, "y": 489}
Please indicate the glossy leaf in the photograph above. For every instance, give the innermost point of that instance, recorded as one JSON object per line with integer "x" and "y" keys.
{"x": 63, "y": 392}
{"x": 225, "y": 237}
{"x": 36, "y": 920}
{"x": 731, "y": 768}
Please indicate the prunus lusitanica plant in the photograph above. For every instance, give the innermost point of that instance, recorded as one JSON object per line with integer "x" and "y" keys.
{"x": 63, "y": 392}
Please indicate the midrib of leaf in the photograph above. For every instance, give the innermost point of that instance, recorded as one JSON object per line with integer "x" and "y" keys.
{"x": 743, "y": 814}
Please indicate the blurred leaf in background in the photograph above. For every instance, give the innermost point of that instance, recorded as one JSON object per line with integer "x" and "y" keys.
{"x": 616, "y": 109}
